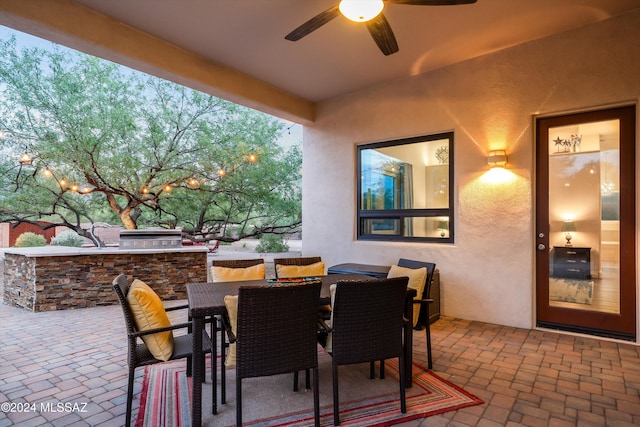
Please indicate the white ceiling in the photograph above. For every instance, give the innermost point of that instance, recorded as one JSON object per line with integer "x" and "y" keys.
{"x": 341, "y": 57}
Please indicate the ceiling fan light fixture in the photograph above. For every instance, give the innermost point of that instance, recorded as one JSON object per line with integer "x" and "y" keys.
{"x": 361, "y": 10}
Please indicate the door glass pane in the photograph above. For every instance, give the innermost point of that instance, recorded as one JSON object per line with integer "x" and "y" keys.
{"x": 584, "y": 221}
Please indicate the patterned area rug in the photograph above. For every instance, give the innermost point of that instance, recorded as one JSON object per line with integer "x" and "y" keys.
{"x": 271, "y": 401}
{"x": 571, "y": 290}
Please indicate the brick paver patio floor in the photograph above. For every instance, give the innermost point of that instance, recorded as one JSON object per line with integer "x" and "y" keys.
{"x": 529, "y": 378}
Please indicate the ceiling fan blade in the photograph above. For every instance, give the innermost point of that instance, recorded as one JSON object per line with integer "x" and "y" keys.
{"x": 313, "y": 24}
{"x": 383, "y": 34}
{"x": 432, "y": 2}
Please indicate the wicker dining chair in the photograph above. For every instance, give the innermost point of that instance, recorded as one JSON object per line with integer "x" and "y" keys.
{"x": 237, "y": 263}
{"x": 271, "y": 322}
{"x": 367, "y": 325}
{"x": 138, "y": 354}
{"x": 324, "y": 311}
{"x": 424, "y": 300}
{"x": 218, "y": 324}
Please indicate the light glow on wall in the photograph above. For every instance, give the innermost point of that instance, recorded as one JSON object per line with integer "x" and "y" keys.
{"x": 498, "y": 176}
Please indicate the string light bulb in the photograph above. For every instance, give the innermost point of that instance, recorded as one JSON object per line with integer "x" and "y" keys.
{"x": 25, "y": 159}
{"x": 252, "y": 158}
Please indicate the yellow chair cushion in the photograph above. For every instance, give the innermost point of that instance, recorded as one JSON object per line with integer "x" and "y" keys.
{"x": 149, "y": 313}
{"x": 231, "y": 303}
{"x": 289, "y": 271}
{"x": 417, "y": 279}
{"x": 227, "y": 274}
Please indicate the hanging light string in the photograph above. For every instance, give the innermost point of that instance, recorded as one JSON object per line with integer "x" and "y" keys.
{"x": 191, "y": 182}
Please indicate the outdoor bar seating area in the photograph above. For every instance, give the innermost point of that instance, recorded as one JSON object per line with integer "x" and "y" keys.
{"x": 256, "y": 326}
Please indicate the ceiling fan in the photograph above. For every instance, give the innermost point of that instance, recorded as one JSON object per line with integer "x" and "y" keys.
{"x": 370, "y": 13}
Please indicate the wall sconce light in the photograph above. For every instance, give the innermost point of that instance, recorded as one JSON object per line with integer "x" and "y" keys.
{"x": 567, "y": 227}
{"x": 497, "y": 159}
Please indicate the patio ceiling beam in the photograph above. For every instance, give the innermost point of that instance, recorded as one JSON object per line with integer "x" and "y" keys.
{"x": 80, "y": 28}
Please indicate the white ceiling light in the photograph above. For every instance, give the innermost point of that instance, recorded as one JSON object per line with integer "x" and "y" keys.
{"x": 361, "y": 10}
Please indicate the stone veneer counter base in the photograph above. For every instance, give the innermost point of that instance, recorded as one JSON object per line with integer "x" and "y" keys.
{"x": 60, "y": 278}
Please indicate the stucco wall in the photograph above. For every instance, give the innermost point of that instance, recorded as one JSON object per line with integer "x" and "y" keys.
{"x": 489, "y": 102}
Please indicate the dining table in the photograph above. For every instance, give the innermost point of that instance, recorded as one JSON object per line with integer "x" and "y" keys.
{"x": 206, "y": 300}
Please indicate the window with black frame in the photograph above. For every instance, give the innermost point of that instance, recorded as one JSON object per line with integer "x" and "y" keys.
{"x": 405, "y": 190}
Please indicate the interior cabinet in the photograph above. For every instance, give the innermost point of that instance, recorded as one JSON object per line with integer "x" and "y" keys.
{"x": 571, "y": 262}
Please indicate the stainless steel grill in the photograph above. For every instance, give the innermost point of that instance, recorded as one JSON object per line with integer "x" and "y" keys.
{"x": 144, "y": 239}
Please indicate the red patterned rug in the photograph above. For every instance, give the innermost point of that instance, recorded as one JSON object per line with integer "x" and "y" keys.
{"x": 270, "y": 401}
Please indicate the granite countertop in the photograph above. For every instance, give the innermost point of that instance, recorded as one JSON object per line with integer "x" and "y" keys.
{"x": 46, "y": 251}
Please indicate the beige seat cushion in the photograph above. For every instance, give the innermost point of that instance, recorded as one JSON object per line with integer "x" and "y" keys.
{"x": 149, "y": 313}
{"x": 227, "y": 274}
{"x": 417, "y": 279}
{"x": 289, "y": 271}
{"x": 231, "y": 303}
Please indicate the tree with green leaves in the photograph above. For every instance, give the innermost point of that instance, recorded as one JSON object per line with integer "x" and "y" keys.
{"x": 102, "y": 143}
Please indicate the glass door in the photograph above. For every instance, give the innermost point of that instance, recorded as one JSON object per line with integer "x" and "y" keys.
{"x": 585, "y": 231}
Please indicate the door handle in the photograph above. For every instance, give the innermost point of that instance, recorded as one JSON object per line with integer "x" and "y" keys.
{"x": 541, "y": 247}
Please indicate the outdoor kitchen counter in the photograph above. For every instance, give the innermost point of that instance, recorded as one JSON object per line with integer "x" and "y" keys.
{"x": 47, "y": 251}
{"x": 59, "y": 278}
